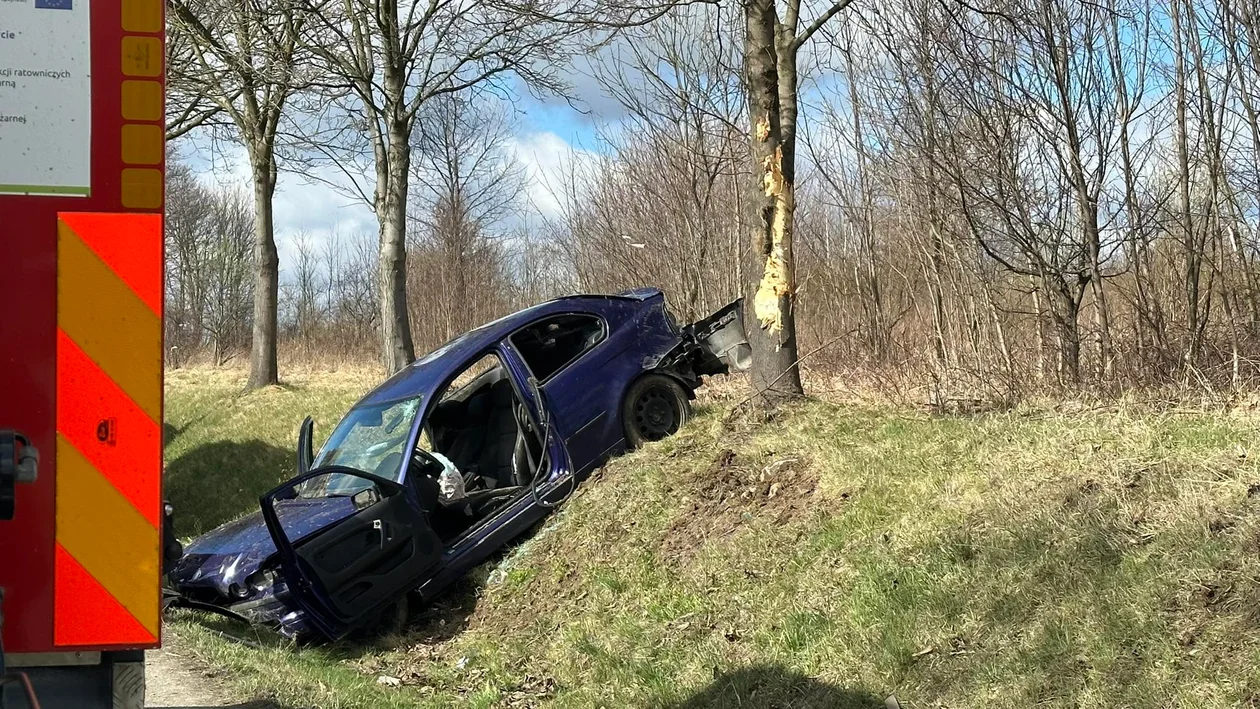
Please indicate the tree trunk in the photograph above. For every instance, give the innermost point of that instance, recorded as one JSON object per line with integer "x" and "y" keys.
{"x": 397, "y": 351}
{"x": 1246, "y": 93}
{"x": 1193, "y": 256}
{"x": 936, "y": 278}
{"x": 1102, "y": 329}
{"x": 1004, "y": 347}
{"x": 1042, "y": 364}
{"x": 263, "y": 370}
{"x": 1067, "y": 315}
{"x": 770, "y": 65}
{"x": 1102, "y": 316}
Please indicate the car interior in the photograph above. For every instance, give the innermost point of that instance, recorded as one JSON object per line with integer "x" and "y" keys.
{"x": 483, "y": 428}
{"x": 551, "y": 344}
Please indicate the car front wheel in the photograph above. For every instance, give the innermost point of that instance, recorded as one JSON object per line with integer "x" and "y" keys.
{"x": 655, "y": 407}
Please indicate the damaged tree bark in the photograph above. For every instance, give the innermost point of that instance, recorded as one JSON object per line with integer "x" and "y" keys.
{"x": 771, "y": 46}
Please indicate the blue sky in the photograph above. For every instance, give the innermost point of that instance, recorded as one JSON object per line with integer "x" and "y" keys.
{"x": 550, "y": 134}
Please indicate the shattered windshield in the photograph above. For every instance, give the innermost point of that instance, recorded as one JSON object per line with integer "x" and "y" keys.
{"x": 371, "y": 438}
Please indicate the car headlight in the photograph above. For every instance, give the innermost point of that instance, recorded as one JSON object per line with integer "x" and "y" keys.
{"x": 261, "y": 580}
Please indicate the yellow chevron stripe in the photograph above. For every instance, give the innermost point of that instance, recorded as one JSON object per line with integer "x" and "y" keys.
{"x": 113, "y": 326}
{"x": 107, "y": 536}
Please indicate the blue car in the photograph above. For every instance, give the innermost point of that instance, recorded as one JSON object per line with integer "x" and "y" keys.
{"x": 453, "y": 457}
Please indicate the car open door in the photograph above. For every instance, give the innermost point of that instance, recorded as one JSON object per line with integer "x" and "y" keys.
{"x": 557, "y": 463}
{"x": 374, "y": 544}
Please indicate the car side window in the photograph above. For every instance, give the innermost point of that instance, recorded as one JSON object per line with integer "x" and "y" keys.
{"x": 549, "y": 345}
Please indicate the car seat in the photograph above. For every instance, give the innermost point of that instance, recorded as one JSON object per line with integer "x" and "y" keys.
{"x": 459, "y": 431}
{"x": 500, "y": 435}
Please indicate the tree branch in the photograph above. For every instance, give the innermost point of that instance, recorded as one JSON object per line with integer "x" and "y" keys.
{"x": 818, "y": 23}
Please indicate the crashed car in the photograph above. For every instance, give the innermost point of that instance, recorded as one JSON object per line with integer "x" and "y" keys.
{"x": 453, "y": 457}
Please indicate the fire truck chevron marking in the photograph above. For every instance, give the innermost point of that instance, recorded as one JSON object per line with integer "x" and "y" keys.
{"x": 135, "y": 257}
{"x": 107, "y": 319}
{"x": 90, "y": 615}
{"x": 109, "y": 538}
{"x": 108, "y": 428}
{"x": 109, "y": 435}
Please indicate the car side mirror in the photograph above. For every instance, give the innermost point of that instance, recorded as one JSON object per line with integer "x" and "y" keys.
{"x": 366, "y": 498}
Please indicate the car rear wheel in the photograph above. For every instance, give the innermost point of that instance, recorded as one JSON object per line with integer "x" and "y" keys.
{"x": 655, "y": 407}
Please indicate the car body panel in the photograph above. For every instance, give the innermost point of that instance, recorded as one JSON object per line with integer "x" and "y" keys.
{"x": 217, "y": 561}
{"x": 579, "y": 406}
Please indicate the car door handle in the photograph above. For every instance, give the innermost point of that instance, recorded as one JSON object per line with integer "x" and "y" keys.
{"x": 382, "y": 531}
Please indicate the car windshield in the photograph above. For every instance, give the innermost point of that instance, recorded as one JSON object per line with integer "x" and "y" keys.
{"x": 371, "y": 438}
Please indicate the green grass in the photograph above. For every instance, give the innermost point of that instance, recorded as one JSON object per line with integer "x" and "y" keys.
{"x": 224, "y": 447}
{"x": 829, "y": 557}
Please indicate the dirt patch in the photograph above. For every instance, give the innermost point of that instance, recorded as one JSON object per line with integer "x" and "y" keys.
{"x": 1220, "y": 525}
{"x": 174, "y": 680}
{"x": 446, "y": 616}
{"x": 434, "y": 628}
{"x": 733, "y": 491}
{"x": 1083, "y": 496}
{"x": 429, "y": 645}
{"x": 416, "y": 671}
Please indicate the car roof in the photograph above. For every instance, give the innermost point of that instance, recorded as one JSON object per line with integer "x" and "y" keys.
{"x": 427, "y": 373}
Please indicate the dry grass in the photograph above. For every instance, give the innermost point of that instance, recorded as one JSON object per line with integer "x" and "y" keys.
{"x": 1059, "y": 554}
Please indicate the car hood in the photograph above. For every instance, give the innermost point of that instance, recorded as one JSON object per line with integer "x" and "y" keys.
{"x": 227, "y": 555}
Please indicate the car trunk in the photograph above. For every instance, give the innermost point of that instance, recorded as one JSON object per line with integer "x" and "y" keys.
{"x": 721, "y": 345}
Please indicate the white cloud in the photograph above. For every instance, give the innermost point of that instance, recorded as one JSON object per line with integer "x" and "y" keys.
{"x": 548, "y": 160}
{"x": 301, "y": 206}
{"x": 593, "y": 102}
{"x": 315, "y": 210}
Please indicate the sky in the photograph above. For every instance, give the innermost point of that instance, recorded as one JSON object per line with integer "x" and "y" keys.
{"x": 550, "y": 135}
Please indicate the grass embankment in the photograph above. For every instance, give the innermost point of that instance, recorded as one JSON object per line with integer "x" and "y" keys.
{"x": 829, "y": 557}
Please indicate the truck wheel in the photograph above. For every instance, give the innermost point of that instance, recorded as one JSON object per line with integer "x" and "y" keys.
{"x": 654, "y": 407}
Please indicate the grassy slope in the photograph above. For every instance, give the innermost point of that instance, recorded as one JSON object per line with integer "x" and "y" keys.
{"x": 827, "y": 558}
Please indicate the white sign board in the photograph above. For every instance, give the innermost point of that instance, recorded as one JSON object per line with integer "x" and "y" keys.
{"x": 45, "y": 97}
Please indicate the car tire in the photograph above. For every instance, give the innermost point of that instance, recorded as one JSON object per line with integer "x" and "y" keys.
{"x": 655, "y": 407}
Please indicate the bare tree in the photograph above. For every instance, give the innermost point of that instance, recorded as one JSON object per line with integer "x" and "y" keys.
{"x": 661, "y": 205}
{"x": 385, "y": 60}
{"x": 991, "y": 195}
{"x": 187, "y": 230}
{"x": 352, "y": 305}
{"x": 243, "y": 57}
{"x": 209, "y": 235}
{"x": 304, "y": 311}
{"x": 470, "y": 198}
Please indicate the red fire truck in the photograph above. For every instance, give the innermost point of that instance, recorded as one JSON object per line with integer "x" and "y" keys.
{"x": 82, "y": 519}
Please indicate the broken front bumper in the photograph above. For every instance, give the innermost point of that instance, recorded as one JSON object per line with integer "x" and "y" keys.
{"x": 272, "y": 607}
